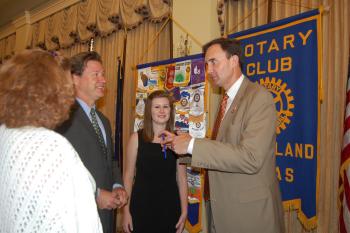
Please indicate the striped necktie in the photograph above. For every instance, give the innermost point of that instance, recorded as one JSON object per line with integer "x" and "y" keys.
{"x": 219, "y": 117}
{"x": 98, "y": 131}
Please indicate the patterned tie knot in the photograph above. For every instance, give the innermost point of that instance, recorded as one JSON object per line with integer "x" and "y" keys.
{"x": 93, "y": 113}
{"x": 98, "y": 131}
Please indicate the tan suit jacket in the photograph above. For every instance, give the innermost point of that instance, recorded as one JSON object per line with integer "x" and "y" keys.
{"x": 244, "y": 190}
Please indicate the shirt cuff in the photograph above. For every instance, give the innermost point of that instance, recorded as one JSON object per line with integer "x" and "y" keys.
{"x": 97, "y": 193}
{"x": 190, "y": 146}
{"x": 116, "y": 185}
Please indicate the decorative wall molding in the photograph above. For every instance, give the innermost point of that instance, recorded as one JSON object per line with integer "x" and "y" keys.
{"x": 50, "y": 8}
{"x": 22, "y": 20}
{"x": 7, "y": 30}
{"x": 30, "y": 17}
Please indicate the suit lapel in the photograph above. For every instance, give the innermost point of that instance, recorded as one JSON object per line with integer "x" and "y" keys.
{"x": 86, "y": 121}
{"x": 231, "y": 112}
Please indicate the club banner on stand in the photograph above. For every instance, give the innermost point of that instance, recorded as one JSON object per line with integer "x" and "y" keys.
{"x": 284, "y": 56}
{"x": 184, "y": 79}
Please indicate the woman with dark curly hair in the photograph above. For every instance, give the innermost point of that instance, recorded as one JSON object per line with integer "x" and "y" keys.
{"x": 44, "y": 185}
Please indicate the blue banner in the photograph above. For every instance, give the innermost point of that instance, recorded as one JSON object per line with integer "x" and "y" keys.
{"x": 284, "y": 56}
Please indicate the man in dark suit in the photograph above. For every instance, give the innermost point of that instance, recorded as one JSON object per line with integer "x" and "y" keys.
{"x": 89, "y": 131}
{"x": 240, "y": 158}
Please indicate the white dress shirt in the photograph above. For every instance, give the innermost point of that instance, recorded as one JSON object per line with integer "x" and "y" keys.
{"x": 232, "y": 92}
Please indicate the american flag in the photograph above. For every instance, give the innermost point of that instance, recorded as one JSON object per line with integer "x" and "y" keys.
{"x": 344, "y": 187}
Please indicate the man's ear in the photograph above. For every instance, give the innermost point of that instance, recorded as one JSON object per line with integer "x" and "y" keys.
{"x": 235, "y": 59}
{"x": 76, "y": 79}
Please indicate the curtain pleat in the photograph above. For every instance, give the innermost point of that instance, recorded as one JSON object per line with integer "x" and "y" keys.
{"x": 114, "y": 14}
{"x": 158, "y": 10}
{"x": 42, "y": 33}
{"x": 51, "y": 38}
{"x": 104, "y": 26}
{"x": 67, "y": 33}
{"x": 35, "y": 35}
{"x": 85, "y": 16}
{"x": 130, "y": 18}
{"x": 7, "y": 47}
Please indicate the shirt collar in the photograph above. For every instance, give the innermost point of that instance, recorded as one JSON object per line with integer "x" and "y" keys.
{"x": 84, "y": 106}
{"x": 235, "y": 87}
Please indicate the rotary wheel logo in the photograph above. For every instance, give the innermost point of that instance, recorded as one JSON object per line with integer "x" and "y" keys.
{"x": 282, "y": 99}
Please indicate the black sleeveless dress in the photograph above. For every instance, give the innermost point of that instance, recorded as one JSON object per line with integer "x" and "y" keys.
{"x": 155, "y": 202}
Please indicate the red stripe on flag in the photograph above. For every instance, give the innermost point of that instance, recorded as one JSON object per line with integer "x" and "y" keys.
{"x": 346, "y": 192}
{"x": 347, "y": 124}
{"x": 345, "y": 155}
{"x": 347, "y": 96}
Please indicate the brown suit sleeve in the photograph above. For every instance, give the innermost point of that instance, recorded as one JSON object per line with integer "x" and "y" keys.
{"x": 247, "y": 138}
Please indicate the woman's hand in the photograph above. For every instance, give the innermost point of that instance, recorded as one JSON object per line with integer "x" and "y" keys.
{"x": 181, "y": 223}
{"x": 127, "y": 221}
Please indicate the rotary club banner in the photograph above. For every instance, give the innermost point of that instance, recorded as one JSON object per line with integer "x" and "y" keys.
{"x": 184, "y": 78}
{"x": 284, "y": 56}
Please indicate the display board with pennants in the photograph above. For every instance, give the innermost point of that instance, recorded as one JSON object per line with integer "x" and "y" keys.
{"x": 184, "y": 79}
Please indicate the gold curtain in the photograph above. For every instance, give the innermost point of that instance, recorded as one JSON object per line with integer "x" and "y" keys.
{"x": 67, "y": 33}
{"x": 235, "y": 16}
{"x": 92, "y": 18}
{"x": 7, "y": 47}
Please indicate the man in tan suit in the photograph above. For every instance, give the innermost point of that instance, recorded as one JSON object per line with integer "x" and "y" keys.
{"x": 244, "y": 190}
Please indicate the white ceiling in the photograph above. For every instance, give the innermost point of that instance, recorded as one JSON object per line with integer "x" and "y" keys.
{"x": 12, "y": 9}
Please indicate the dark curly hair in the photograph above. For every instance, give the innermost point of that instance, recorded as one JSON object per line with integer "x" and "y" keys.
{"x": 36, "y": 89}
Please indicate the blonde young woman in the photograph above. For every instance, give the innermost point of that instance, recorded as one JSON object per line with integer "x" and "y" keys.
{"x": 153, "y": 177}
